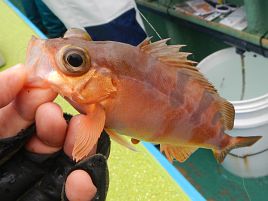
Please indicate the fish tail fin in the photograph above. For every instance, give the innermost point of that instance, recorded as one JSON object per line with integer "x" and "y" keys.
{"x": 233, "y": 143}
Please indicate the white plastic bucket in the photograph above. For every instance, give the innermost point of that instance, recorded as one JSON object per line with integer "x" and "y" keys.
{"x": 224, "y": 70}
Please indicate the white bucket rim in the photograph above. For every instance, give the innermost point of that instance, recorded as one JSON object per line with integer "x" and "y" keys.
{"x": 241, "y": 106}
{"x": 251, "y": 104}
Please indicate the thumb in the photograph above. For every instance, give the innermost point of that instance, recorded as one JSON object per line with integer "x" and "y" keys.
{"x": 11, "y": 82}
{"x": 79, "y": 186}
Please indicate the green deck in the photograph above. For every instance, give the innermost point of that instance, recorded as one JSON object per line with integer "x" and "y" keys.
{"x": 217, "y": 184}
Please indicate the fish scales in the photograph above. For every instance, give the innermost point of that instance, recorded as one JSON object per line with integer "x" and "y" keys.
{"x": 171, "y": 85}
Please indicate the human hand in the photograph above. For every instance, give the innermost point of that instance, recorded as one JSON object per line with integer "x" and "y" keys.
{"x": 20, "y": 108}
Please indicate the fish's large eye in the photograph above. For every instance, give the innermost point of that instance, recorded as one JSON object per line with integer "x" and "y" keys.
{"x": 74, "y": 60}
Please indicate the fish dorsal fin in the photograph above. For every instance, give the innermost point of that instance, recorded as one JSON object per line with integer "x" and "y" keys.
{"x": 120, "y": 139}
{"x": 145, "y": 42}
{"x": 180, "y": 153}
{"x": 77, "y": 33}
{"x": 171, "y": 56}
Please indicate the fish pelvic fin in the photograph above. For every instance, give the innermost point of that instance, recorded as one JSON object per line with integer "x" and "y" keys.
{"x": 180, "y": 153}
{"x": 235, "y": 142}
{"x": 120, "y": 139}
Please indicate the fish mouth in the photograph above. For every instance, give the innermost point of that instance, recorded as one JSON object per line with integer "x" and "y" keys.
{"x": 37, "y": 63}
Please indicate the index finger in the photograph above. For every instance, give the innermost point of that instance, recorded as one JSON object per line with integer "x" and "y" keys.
{"x": 11, "y": 82}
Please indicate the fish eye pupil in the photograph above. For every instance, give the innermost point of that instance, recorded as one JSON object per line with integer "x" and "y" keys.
{"x": 75, "y": 59}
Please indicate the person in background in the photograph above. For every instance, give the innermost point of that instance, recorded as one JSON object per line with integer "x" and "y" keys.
{"x": 103, "y": 19}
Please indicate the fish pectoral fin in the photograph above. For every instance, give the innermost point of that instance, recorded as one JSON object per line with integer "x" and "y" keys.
{"x": 90, "y": 127}
{"x": 120, "y": 139}
{"x": 180, "y": 153}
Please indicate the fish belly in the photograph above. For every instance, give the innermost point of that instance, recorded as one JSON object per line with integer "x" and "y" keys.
{"x": 137, "y": 111}
{"x": 142, "y": 112}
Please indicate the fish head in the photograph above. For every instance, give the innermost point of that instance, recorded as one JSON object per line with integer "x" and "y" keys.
{"x": 69, "y": 66}
{"x": 34, "y": 57}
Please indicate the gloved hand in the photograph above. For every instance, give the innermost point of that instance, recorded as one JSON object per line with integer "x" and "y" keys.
{"x": 35, "y": 162}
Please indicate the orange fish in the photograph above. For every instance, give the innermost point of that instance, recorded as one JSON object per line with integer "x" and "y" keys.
{"x": 150, "y": 92}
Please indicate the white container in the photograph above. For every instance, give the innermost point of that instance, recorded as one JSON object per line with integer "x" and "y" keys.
{"x": 224, "y": 70}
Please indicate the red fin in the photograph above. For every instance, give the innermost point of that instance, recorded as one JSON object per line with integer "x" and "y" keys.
{"x": 172, "y": 56}
{"x": 169, "y": 54}
{"x": 120, "y": 139}
{"x": 180, "y": 153}
{"x": 234, "y": 143}
{"x": 145, "y": 42}
{"x": 91, "y": 126}
{"x": 155, "y": 45}
{"x": 77, "y": 33}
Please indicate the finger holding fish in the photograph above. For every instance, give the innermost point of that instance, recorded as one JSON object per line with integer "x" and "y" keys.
{"x": 19, "y": 104}
{"x": 11, "y": 82}
{"x": 29, "y": 99}
{"x": 50, "y": 129}
{"x": 79, "y": 185}
{"x": 51, "y": 136}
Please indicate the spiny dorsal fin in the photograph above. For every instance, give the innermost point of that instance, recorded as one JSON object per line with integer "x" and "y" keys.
{"x": 155, "y": 45}
{"x": 166, "y": 53}
{"x": 145, "y": 42}
{"x": 171, "y": 55}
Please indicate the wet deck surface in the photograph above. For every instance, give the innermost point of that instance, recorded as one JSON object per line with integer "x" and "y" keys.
{"x": 217, "y": 184}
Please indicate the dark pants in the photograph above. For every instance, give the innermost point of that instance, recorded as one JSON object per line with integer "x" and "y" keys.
{"x": 124, "y": 28}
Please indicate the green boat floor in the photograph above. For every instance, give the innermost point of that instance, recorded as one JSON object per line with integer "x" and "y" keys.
{"x": 134, "y": 176}
{"x": 217, "y": 184}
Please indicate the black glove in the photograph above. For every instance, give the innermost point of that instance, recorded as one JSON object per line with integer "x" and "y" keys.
{"x": 26, "y": 176}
